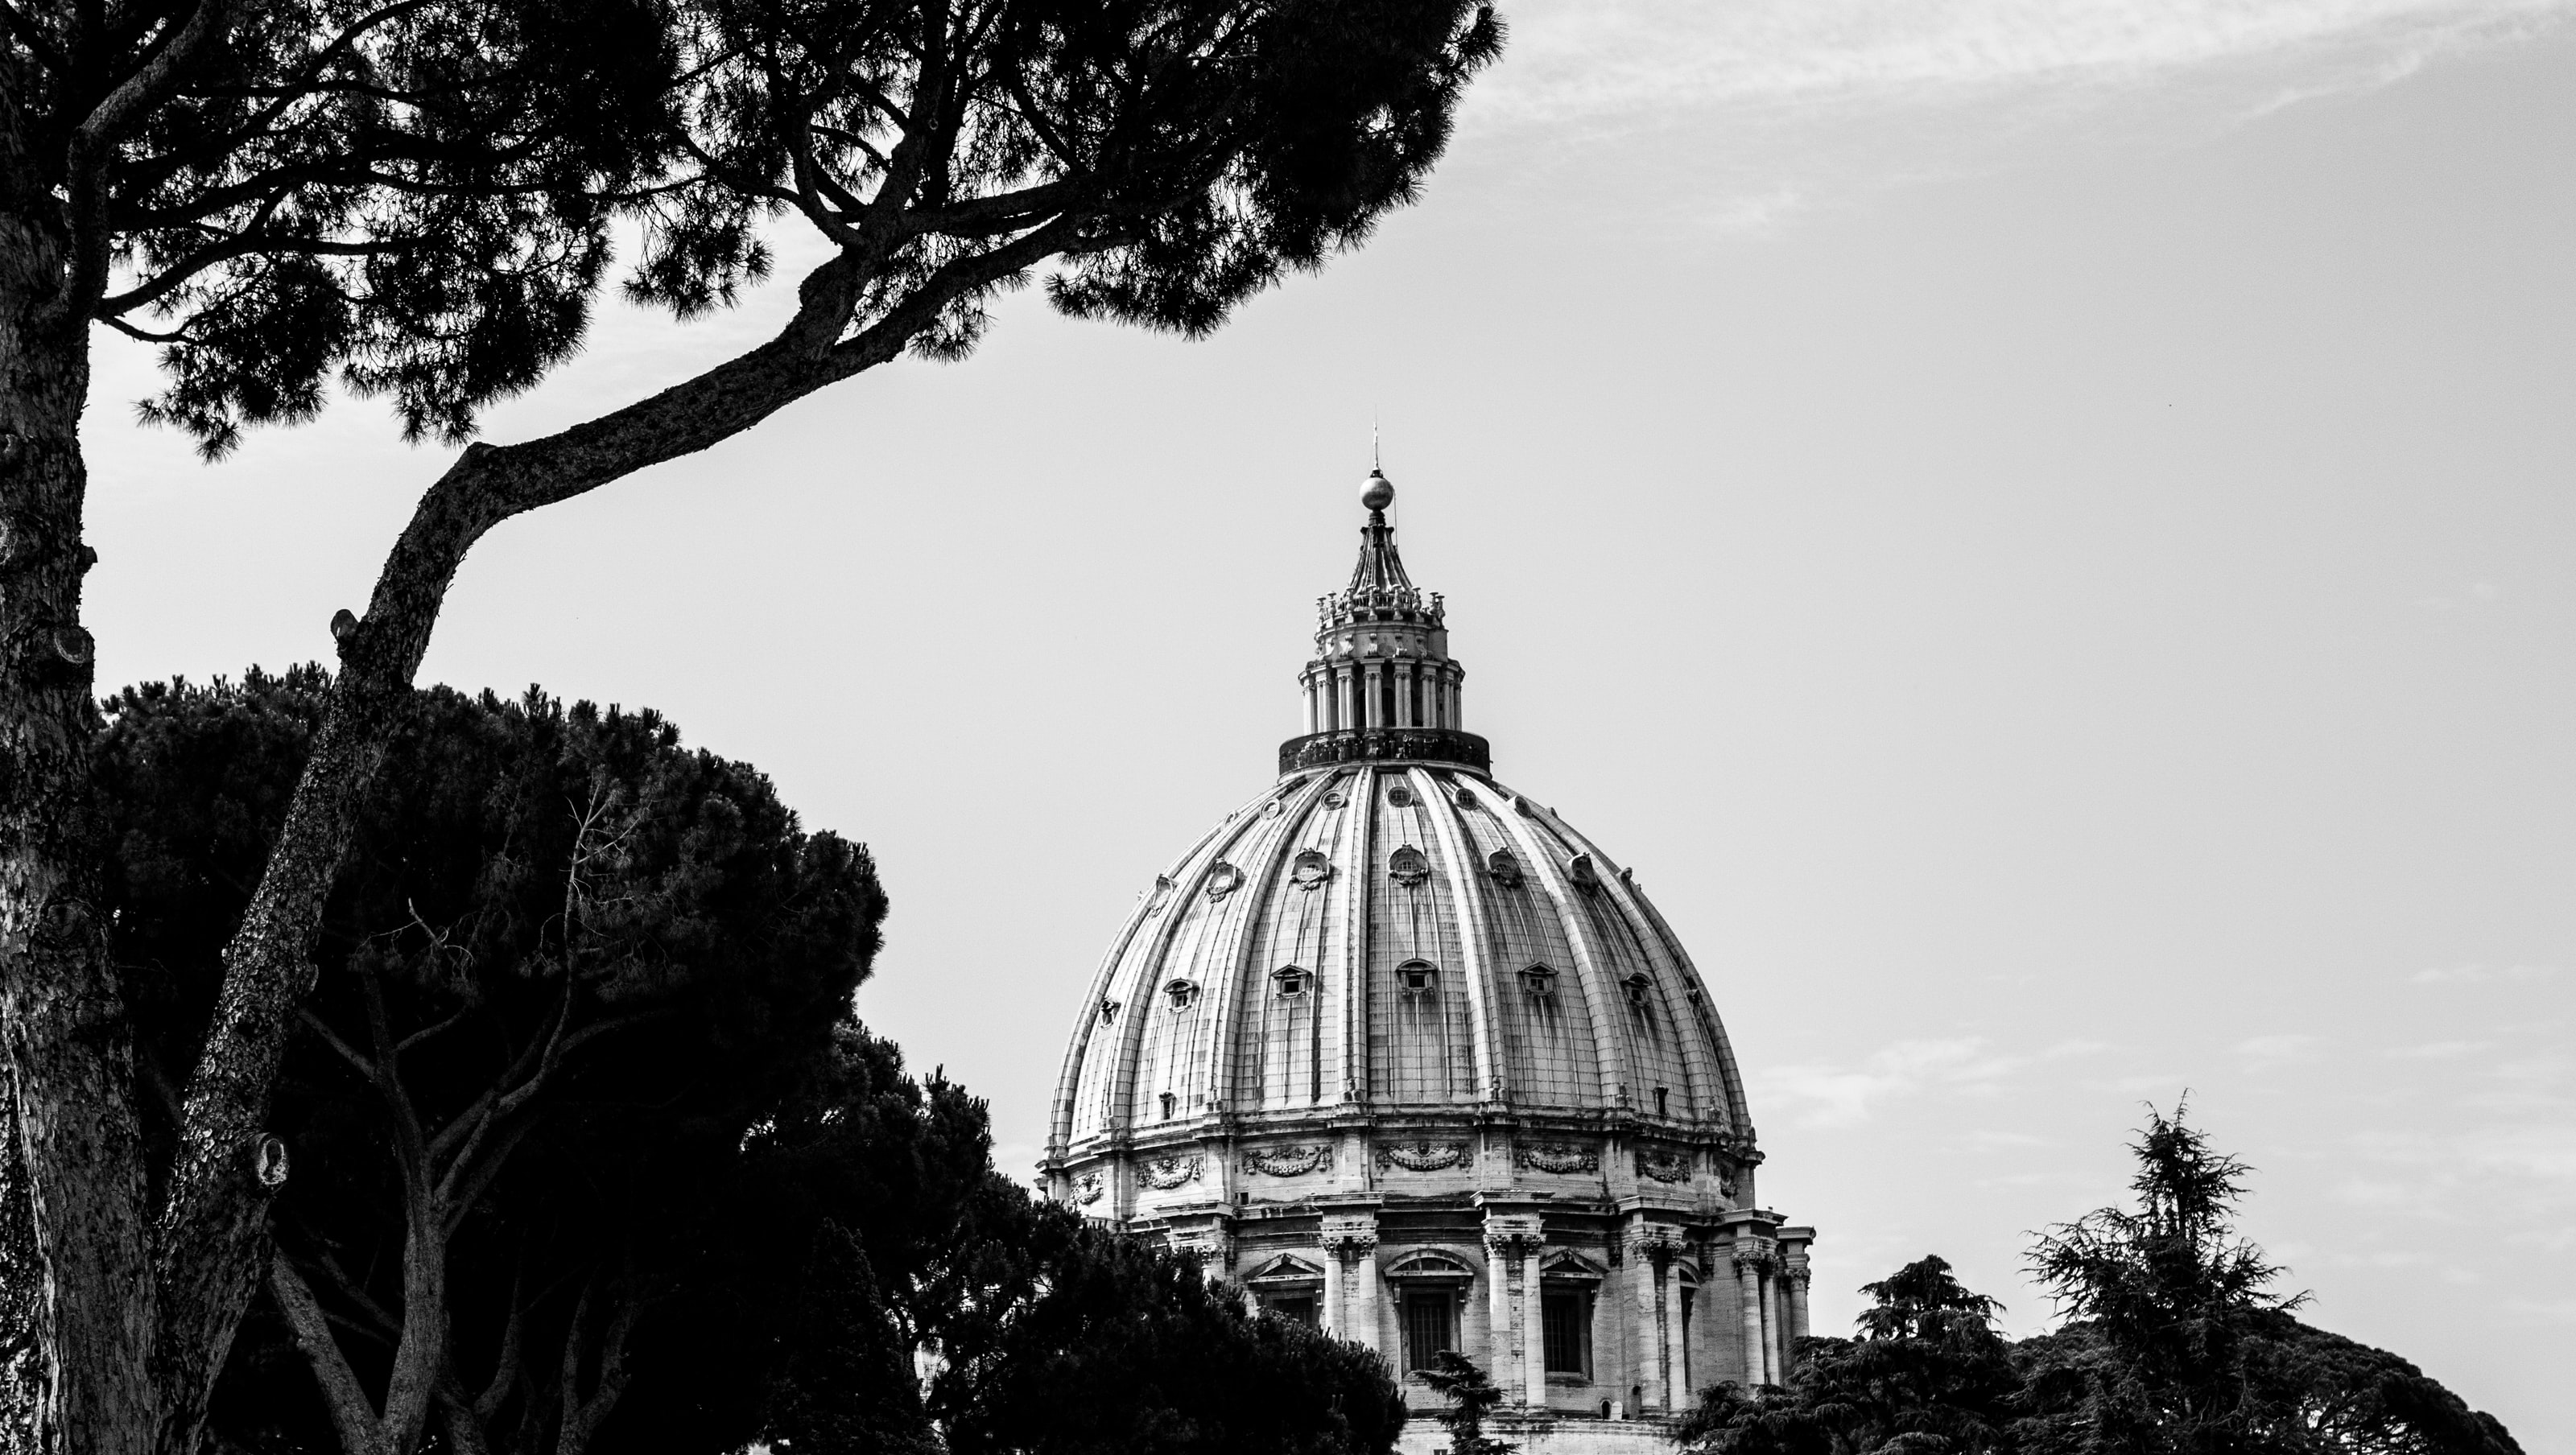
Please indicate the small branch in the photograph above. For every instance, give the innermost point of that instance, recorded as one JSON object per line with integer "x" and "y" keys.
{"x": 347, "y": 1052}
{"x": 86, "y": 158}
{"x": 351, "y": 1415}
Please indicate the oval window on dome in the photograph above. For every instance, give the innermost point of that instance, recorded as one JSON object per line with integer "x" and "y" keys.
{"x": 1639, "y": 989}
{"x": 1584, "y": 873}
{"x": 1417, "y": 977}
{"x": 1409, "y": 866}
{"x": 1309, "y": 869}
{"x": 1505, "y": 869}
{"x": 1223, "y": 880}
{"x": 1293, "y": 981}
{"x": 1335, "y": 799}
{"x": 1400, "y": 796}
{"x": 1159, "y": 895}
{"x": 1182, "y": 993}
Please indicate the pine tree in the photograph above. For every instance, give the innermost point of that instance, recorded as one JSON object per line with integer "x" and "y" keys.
{"x": 2178, "y": 1346}
{"x": 1471, "y": 1396}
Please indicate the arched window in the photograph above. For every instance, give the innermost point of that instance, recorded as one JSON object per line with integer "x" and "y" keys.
{"x": 1429, "y": 1288}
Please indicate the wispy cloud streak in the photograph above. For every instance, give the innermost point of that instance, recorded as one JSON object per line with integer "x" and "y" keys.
{"x": 1577, "y": 60}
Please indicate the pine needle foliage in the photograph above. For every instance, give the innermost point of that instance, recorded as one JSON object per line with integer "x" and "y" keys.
{"x": 1928, "y": 1373}
{"x": 1472, "y": 1396}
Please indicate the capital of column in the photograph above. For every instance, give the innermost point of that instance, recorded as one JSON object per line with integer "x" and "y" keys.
{"x": 1658, "y": 1245}
{"x": 1349, "y": 1234}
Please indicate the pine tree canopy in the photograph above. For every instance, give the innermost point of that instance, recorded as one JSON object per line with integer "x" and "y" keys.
{"x": 2176, "y": 1347}
{"x": 424, "y": 198}
{"x": 589, "y": 1156}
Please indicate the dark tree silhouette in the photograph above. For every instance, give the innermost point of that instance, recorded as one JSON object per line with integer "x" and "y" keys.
{"x": 1472, "y": 1396}
{"x": 417, "y": 196}
{"x": 570, "y": 966}
{"x": 589, "y": 1158}
{"x": 2177, "y": 1346}
{"x": 1928, "y": 1373}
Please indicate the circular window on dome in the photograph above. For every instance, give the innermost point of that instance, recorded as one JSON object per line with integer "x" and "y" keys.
{"x": 1584, "y": 873}
{"x": 1182, "y": 993}
{"x": 1400, "y": 796}
{"x": 1417, "y": 977}
{"x": 1408, "y": 866}
{"x": 1309, "y": 869}
{"x": 1159, "y": 895}
{"x": 1223, "y": 880}
{"x": 1293, "y": 981}
{"x": 1505, "y": 869}
{"x": 1336, "y": 799}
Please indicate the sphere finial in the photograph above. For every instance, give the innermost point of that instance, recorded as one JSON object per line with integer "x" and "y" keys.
{"x": 1379, "y": 494}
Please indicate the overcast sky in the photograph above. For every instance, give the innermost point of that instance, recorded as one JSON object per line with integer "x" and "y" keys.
{"x": 2042, "y": 530}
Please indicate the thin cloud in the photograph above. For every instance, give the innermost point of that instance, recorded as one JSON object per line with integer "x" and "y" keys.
{"x": 1630, "y": 58}
{"x": 1840, "y": 1096}
{"x": 2277, "y": 1050}
{"x": 2438, "y": 1050}
{"x": 2486, "y": 975}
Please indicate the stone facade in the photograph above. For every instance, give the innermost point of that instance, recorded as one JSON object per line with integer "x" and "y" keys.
{"x": 1402, "y": 1053}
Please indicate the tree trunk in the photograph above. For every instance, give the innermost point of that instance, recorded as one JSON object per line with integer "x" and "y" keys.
{"x": 22, "y": 1288}
{"x": 62, "y": 1012}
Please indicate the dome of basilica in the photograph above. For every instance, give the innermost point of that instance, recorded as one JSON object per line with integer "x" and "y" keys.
{"x": 1406, "y": 1054}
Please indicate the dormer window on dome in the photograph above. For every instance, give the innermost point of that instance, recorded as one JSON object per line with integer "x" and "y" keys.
{"x": 1640, "y": 989}
{"x": 1538, "y": 982}
{"x": 1182, "y": 994}
{"x": 1417, "y": 977}
{"x": 1310, "y": 869}
{"x": 1408, "y": 866}
{"x": 1292, "y": 981}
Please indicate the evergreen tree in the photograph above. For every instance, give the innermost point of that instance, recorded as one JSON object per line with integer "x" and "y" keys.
{"x": 1927, "y": 1374}
{"x": 417, "y": 199}
{"x": 589, "y": 1157}
{"x": 2178, "y": 1347}
{"x": 1471, "y": 1396}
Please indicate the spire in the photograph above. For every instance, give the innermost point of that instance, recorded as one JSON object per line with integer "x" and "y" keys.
{"x": 1382, "y": 684}
{"x": 1380, "y": 569}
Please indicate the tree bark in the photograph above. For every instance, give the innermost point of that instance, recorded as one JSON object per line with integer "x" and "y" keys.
{"x": 62, "y": 1012}
{"x": 22, "y": 1287}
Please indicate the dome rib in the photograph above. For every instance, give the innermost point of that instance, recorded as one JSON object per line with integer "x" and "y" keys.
{"x": 1493, "y": 1082}
{"x": 1601, "y": 1000}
